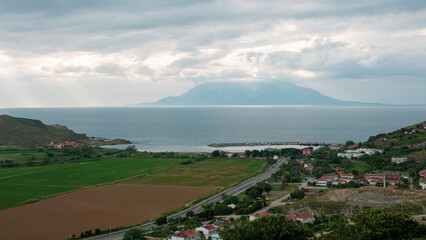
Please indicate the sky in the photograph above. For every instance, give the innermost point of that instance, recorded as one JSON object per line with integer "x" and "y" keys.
{"x": 56, "y": 53}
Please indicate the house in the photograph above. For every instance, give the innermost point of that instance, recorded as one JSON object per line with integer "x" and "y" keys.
{"x": 321, "y": 183}
{"x": 308, "y": 167}
{"x": 229, "y": 154}
{"x": 398, "y": 159}
{"x": 352, "y": 147}
{"x": 301, "y": 217}
{"x": 256, "y": 215}
{"x": 216, "y": 237}
{"x": 290, "y": 217}
{"x": 275, "y": 157}
{"x": 241, "y": 155}
{"x": 207, "y": 230}
{"x": 423, "y": 173}
{"x": 187, "y": 235}
{"x": 307, "y": 151}
{"x": 305, "y": 218}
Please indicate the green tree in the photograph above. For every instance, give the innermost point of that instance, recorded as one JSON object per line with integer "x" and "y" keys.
{"x": 254, "y": 192}
{"x": 134, "y": 234}
{"x": 131, "y": 149}
{"x": 266, "y": 228}
{"x": 222, "y": 209}
{"x": 193, "y": 222}
{"x": 161, "y": 220}
{"x": 267, "y": 188}
{"x": 216, "y": 153}
{"x": 378, "y": 224}
{"x": 297, "y": 194}
{"x": 348, "y": 143}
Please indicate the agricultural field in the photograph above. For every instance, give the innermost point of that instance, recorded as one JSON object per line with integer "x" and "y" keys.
{"x": 98, "y": 207}
{"x": 219, "y": 172}
{"x": 25, "y": 184}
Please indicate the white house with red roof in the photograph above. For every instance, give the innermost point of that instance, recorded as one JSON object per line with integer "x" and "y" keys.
{"x": 305, "y": 218}
{"x": 187, "y": 235}
{"x": 208, "y": 230}
{"x": 301, "y": 217}
{"x": 256, "y": 215}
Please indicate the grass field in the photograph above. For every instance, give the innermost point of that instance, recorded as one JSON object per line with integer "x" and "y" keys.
{"x": 18, "y": 151}
{"x": 18, "y": 185}
{"x": 211, "y": 172}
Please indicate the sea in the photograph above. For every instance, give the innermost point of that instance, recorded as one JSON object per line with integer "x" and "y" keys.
{"x": 192, "y": 129}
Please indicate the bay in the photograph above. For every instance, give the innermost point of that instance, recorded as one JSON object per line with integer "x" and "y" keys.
{"x": 191, "y": 129}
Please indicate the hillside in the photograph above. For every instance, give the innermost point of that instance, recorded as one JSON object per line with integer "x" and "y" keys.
{"x": 32, "y": 133}
{"x": 252, "y": 93}
{"x": 413, "y": 136}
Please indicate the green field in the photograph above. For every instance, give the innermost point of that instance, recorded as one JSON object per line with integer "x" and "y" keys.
{"x": 18, "y": 151}
{"x": 21, "y": 185}
{"x": 18, "y": 185}
{"x": 212, "y": 172}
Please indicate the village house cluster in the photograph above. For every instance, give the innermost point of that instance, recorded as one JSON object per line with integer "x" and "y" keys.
{"x": 203, "y": 232}
{"x": 355, "y": 152}
{"x": 339, "y": 177}
{"x": 70, "y": 144}
{"x": 387, "y": 180}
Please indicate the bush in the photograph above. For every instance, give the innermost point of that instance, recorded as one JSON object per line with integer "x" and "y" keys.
{"x": 134, "y": 234}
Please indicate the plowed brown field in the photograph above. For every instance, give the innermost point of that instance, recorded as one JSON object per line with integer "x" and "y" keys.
{"x": 99, "y": 207}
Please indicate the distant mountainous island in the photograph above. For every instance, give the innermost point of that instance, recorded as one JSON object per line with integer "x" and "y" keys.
{"x": 23, "y": 132}
{"x": 252, "y": 93}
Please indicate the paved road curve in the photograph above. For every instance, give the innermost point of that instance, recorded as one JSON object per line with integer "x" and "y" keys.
{"x": 237, "y": 189}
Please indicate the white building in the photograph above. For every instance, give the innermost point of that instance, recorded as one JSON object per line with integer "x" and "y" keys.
{"x": 398, "y": 159}
{"x": 216, "y": 237}
{"x": 305, "y": 218}
{"x": 208, "y": 230}
{"x": 358, "y": 152}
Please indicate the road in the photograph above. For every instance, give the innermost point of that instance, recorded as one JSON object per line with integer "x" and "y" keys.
{"x": 235, "y": 190}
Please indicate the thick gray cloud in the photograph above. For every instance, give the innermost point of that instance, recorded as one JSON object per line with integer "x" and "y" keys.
{"x": 145, "y": 50}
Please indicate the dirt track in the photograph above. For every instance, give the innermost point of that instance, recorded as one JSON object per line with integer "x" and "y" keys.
{"x": 99, "y": 207}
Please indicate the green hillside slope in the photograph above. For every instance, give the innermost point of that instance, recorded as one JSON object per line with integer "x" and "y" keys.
{"x": 24, "y": 132}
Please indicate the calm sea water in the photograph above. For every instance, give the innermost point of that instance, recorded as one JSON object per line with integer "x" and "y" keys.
{"x": 193, "y": 128}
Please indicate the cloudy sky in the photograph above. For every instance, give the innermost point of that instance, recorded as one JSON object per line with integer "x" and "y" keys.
{"x": 110, "y": 53}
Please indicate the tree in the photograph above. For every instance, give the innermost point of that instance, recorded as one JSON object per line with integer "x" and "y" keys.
{"x": 134, "y": 234}
{"x": 193, "y": 222}
{"x": 161, "y": 220}
{"x": 222, "y": 209}
{"x": 190, "y": 214}
{"x": 348, "y": 143}
{"x": 131, "y": 149}
{"x": 266, "y": 228}
{"x": 378, "y": 224}
{"x": 254, "y": 192}
{"x": 297, "y": 194}
{"x": 267, "y": 188}
{"x": 216, "y": 153}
